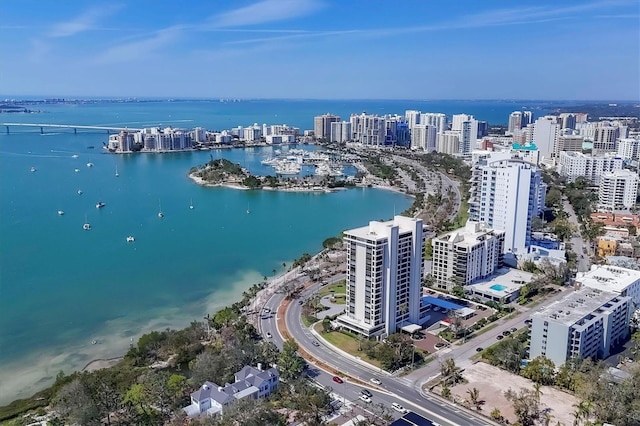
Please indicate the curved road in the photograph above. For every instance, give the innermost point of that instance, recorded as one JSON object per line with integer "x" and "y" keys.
{"x": 392, "y": 389}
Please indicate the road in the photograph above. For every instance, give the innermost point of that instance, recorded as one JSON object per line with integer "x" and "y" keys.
{"x": 393, "y": 389}
{"x": 577, "y": 243}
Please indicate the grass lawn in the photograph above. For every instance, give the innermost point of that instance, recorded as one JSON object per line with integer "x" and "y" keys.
{"x": 347, "y": 343}
{"x": 308, "y": 321}
{"x": 339, "y": 287}
{"x": 340, "y": 299}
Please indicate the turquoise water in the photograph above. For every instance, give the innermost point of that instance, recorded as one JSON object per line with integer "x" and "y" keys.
{"x": 497, "y": 287}
{"x": 62, "y": 287}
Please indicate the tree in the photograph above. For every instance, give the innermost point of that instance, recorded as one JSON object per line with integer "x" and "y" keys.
{"x": 474, "y": 397}
{"x": 450, "y": 371}
{"x": 137, "y": 397}
{"x": 496, "y": 414}
{"x": 74, "y": 403}
{"x": 208, "y": 367}
{"x": 525, "y": 406}
{"x": 540, "y": 370}
{"x": 290, "y": 364}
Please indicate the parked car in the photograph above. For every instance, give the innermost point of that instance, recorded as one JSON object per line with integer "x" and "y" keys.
{"x": 366, "y": 392}
{"x": 479, "y": 349}
{"x": 376, "y": 381}
{"x": 499, "y": 337}
{"x": 365, "y": 398}
{"x": 337, "y": 379}
{"x": 399, "y": 407}
{"x": 506, "y": 333}
{"x": 513, "y": 329}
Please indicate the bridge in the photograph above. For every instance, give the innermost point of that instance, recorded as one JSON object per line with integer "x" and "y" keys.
{"x": 75, "y": 127}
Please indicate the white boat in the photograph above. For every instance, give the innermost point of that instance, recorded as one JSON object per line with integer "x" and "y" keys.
{"x": 60, "y": 212}
{"x": 160, "y": 214}
{"x": 77, "y": 170}
{"x": 74, "y": 156}
{"x": 130, "y": 239}
{"x": 100, "y": 205}
{"x": 86, "y": 226}
{"x": 191, "y": 204}
{"x": 89, "y": 164}
{"x": 117, "y": 174}
{"x": 248, "y": 211}
{"x": 79, "y": 191}
{"x": 33, "y": 169}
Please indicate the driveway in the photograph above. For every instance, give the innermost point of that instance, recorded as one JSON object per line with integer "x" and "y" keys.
{"x": 334, "y": 308}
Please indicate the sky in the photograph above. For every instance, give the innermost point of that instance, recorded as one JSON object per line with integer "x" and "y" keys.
{"x": 322, "y": 49}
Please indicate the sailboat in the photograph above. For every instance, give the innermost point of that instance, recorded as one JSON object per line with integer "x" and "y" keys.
{"x": 191, "y": 204}
{"x": 160, "y": 214}
{"x": 87, "y": 225}
{"x": 117, "y": 174}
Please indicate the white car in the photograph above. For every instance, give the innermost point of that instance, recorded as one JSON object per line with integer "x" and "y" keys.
{"x": 376, "y": 381}
{"x": 269, "y": 335}
{"x": 365, "y": 398}
{"x": 399, "y": 408}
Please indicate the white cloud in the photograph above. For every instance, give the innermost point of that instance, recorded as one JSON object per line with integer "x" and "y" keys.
{"x": 84, "y": 22}
{"x": 141, "y": 48}
{"x": 265, "y": 11}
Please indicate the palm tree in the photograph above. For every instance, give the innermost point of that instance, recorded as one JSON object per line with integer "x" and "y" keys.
{"x": 536, "y": 389}
{"x": 474, "y": 397}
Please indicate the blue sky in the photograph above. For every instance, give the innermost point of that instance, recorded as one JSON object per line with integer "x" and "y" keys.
{"x": 335, "y": 49}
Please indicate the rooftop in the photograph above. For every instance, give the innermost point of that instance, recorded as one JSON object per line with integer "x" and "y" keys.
{"x": 376, "y": 230}
{"x": 608, "y": 278}
{"x": 470, "y": 235}
{"x": 504, "y": 282}
{"x": 575, "y": 306}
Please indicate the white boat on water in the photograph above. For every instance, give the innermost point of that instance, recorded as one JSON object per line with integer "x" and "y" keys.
{"x": 60, "y": 212}
{"x": 86, "y": 226}
{"x": 77, "y": 170}
{"x": 191, "y": 204}
{"x": 33, "y": 169}
{"x": 89, "y": 164}
{"x": 74, "y": 156}
{"x": 117, "y": 174}
{"x": 79, "y": 191}
{"x": 160, "y": 214}
{"x": 100, "y": 205}
{"x": 130, "y": 239}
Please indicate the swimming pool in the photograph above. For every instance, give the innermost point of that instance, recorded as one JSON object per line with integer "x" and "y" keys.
{"x": 497, "y": 287}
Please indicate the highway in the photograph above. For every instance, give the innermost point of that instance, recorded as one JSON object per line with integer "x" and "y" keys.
{"x": 393, "y": 389}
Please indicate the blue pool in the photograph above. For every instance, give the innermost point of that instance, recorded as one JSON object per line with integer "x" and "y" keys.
{"x": 497, "y": 287}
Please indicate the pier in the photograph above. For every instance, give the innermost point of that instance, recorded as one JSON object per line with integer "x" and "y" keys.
{"x": 75, "y": 127}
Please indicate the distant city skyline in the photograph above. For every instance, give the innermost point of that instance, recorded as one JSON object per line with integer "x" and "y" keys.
{"x": 322, "y": 49}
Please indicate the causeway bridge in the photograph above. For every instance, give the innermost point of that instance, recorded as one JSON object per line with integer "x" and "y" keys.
{"x": 74, "y": 127}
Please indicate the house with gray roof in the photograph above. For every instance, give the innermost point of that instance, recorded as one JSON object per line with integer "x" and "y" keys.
{"x": 250, "y": 382}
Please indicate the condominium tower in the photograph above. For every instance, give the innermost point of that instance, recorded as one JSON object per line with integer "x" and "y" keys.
{"x": 507, "y": 195}
{"x": 466, "y": 255}
{"x": 384, "y": 276}
{"x": 618, "y": 190}
{"x": 322, "y": 125}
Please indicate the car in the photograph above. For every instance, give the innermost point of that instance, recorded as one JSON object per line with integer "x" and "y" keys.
{"x": 376, "y": 381}
{"x": 300, "y": 302}
{"x": 337, "y": 379}
{"x": 265, "y": 317}
{"x": 528, "y": 321}
{"x": 499, "y": 337}
{"x": 365, "y": 398}
{"x": 399, "y": 407}
{"x": 479, "y": 349}
{"x": 366, "y": 393}
{"x": 506, "y": 333}
{"x": 269, "y": 335}
{"x": 315, "y": 343}
{"x": 513, "y": 329}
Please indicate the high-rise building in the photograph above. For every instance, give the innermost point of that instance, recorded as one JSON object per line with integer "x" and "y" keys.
{"x": 424, "y": 137}
{"x": 448, "y": 142}
{"x": 618, "y": 190}
{"x": 465, "y": 255}
{"x": 384, "y": 276}
{"x": 629, "y": 149}
{"x": 586, "y": 323}
{"x": 576, "y": 164}
{"x": 527, "y": 118}
{"x": 458, "y": 119}
{"x": 568, "y": 143}
{"x": 515, "y": 121}
{"x": 614, "y": 279}
{"x": 506, "y": 194}
{"x": 340, "y": 132}
{"x": 468, "y": 136}
{"x": 396, "y": 131}
{"x": 604, "y": 139}
{"x": 435, "y": 119}
{"x": 567, "y": 120}
{"x": 412, "y": 117}
{"x": 368, "y": 129}
{"x": 545, "y": 135}
{"x": 322, "y": 125}
{"x": 483, "y": 129}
